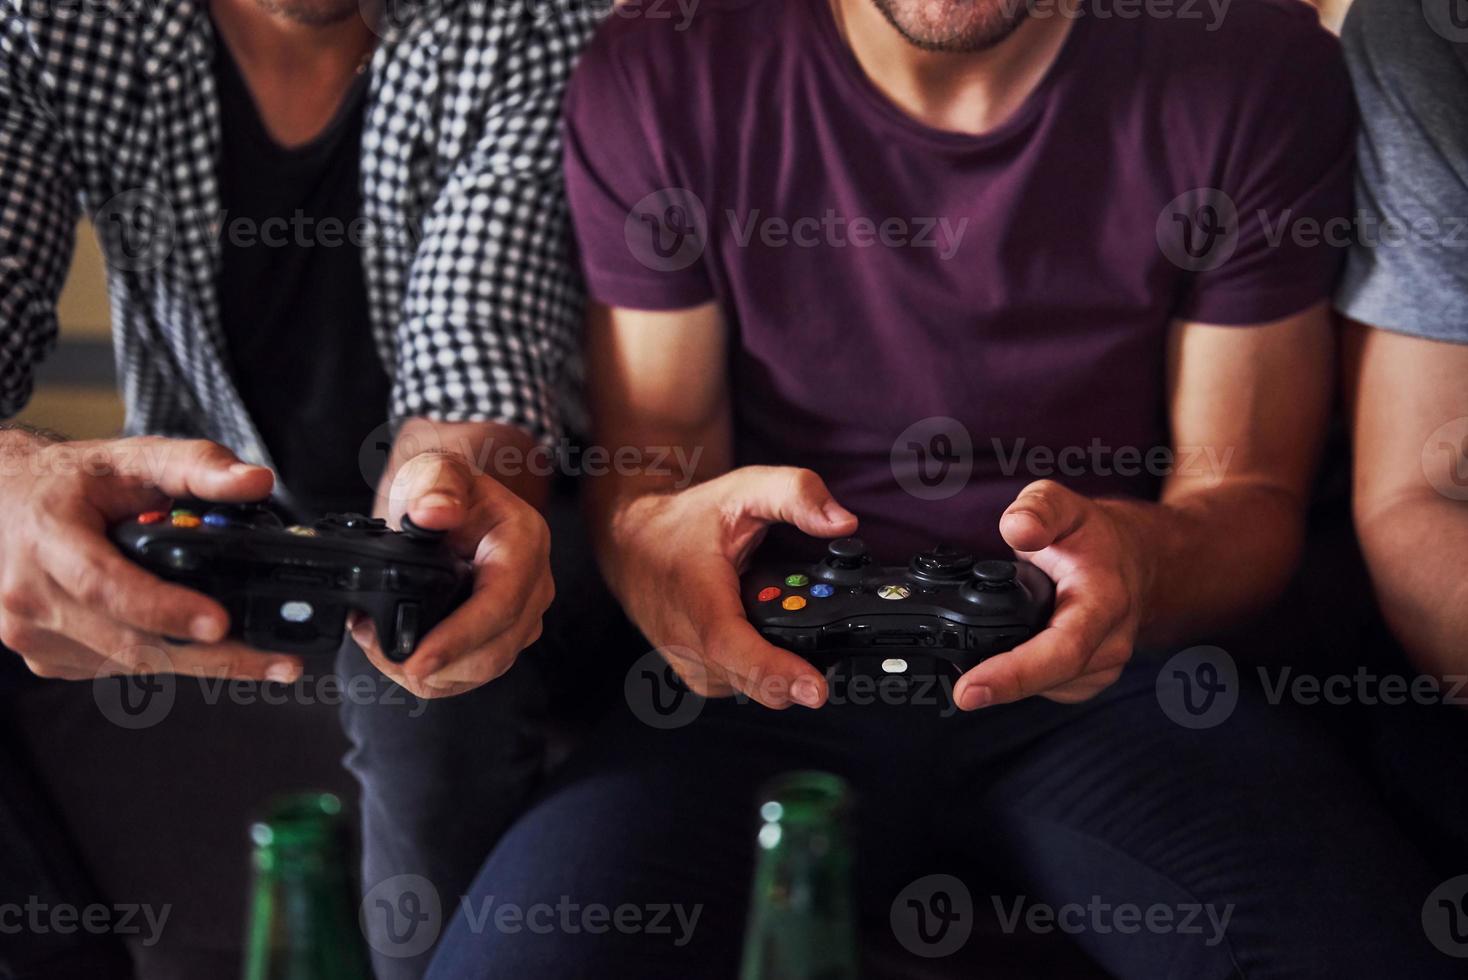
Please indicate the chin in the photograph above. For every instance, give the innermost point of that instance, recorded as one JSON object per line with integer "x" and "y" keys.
{"x": 957, "y": 26}
{"x": 314, "y": 13}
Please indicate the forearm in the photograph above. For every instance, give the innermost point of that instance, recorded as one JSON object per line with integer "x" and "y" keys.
{"x": 611, "y": 499}
{"x": 1209, "y": 557}
{"x": 1417, "y": 549}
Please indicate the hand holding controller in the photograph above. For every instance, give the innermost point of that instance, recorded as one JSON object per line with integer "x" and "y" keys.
{"x": 943, "y": 612}
{"x": 290, "y": 589}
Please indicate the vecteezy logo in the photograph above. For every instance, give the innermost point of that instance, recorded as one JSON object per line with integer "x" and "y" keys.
{"x": 933, "y": 916}
{"x": 137, "y": 229}
{"x": 1199, "y": 687}
{"x": 657, "y": 696}
{"x": 1448, "y": 18}
{"x": 933, "y": 459}
{"x": 1445, "y": 459}
{"x": 1445, "y": 917}
{"x": 135, "y": 700}
{"x": 667, "y": 230}
{"x": 402, "y": 916}
{"x": 1199, "y": 229}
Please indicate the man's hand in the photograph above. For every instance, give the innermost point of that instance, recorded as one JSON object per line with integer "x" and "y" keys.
{"x": 70, "y": 604}
{"x": 1100, "y": 579}
{"x": 678, "y": 557}
{"x": 507, "y": 542}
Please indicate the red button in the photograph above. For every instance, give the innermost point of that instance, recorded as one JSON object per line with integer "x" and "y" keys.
{"x": 767, "y": 595}
{"x": 151, "y": 517}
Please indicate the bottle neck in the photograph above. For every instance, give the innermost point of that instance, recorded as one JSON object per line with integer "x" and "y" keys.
{"x": 802, "y": 922}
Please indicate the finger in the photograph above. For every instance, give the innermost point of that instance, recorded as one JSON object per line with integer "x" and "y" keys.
{"x": 364, "y": 633}
{"x": 1044, "y": 513}
{"x": 117, "y": 649}
{"x": 789, "y": 495}
{"x": 86, "y": 567}
{"x": 50, "y": 655}
{"x": 434, "y": 489}
{"x": 512, "y": 583}
{"x": 190, "y": 468}
{"x": 1056, "y": 655}
{"x": 470, "y": 645}
{"x": 228, "y": 659}
{"x": 1083, "y": 688}
{"x": 744, "y": 660}
{"x": 737, "y": 654}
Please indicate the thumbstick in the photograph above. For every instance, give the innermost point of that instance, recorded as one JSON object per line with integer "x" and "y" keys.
{"x": 847, "y": 553}
{"x": 943, "y": 563}
{"x": 995, "y": 575}
{"x": 421, "y": 534}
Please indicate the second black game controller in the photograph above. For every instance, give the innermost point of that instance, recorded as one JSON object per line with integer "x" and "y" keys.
{"x": 290, "y": 588}
{"x": 942, "y": 613}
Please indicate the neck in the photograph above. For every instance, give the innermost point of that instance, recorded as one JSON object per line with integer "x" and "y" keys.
{"x": 960, "y": 92}
{"x": 297, "y": 72}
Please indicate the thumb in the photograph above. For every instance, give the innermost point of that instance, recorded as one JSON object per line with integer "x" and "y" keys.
{"x": 434, "y": 489}
{"x": 786, "y": 494}
{"x": 191, "y": 468}
{"x": 1044, "y": 513}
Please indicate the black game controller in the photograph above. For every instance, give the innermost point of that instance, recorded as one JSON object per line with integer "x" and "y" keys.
{"x": 940, "y": 614}
{"x": 290, "y": 588}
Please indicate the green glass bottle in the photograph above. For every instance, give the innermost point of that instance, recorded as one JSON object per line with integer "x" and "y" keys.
{"x": 303, "y": 910}
{"x": 802, "y": 917}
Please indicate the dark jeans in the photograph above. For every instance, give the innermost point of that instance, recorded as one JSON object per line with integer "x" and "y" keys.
{"x": 1260, "y": 820}
{"x": 441, "y": 780}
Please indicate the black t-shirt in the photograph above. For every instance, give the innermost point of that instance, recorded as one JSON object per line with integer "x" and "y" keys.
{"x": 293, "y": 296}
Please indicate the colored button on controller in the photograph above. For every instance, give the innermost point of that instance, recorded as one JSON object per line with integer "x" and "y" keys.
{"x": 822, "y": 591}
{"x": 793, "y": 602}
{"x": 184, "y": 518}
{"x": 151, "y": 517}
{"x": 768, "y": 595}
{"x": 797, "y": 580}
{"x": 894, "y": 592}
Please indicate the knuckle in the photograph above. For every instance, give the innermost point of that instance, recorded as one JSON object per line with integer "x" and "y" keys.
{"x": 206, "y": 451}
{"x": 20, "y": 635}
{"x": 92, "y": 585}
{"x": 45, "y": 669}
{"x": 20, "y": 601}
{"x": 805, "y": 482}
{"x": 534, "y": 633}
{"x": 1045, "y": 488}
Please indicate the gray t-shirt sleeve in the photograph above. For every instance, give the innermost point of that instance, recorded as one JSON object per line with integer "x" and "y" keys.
{"x": 1408, "y": 271}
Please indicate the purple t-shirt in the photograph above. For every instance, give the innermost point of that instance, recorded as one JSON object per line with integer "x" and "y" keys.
{"x": 932, "y": 320}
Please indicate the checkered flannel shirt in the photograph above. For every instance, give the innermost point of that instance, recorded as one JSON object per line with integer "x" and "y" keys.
{"x": 108, "y": 108}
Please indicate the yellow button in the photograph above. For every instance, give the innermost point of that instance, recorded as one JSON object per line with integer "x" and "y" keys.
{"x": 793, "y": 602}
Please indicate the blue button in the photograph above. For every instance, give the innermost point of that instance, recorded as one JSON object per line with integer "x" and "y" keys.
{"x": 215, "y": 519}
{"x": 822, "y": 591}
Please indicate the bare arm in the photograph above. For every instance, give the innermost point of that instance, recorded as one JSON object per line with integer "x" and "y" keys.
{"x": 1408, "y": 404}
{"x": 1220, "y": 542}
{"x": 673, "y": 556}
{"x": 654, "y": 379}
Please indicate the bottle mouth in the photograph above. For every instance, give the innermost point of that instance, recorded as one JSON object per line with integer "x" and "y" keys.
{"x": 302, "y": 819}
{"x": 805, "y": 796}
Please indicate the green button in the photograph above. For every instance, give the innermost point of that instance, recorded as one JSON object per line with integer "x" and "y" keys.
{"x": 797, "y": 580}
{"x": 181, "y": 512}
